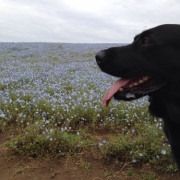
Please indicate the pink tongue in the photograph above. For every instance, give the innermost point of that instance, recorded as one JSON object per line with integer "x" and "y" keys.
{"x": 113, "y": 89}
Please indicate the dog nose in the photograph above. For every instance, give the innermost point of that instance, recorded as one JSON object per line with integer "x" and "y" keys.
{"x": 100, "y": 56}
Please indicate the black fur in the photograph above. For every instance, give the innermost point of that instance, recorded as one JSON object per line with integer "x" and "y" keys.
{"x": 156, "y": 53}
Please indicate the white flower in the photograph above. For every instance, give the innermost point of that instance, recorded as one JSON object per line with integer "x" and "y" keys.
{"x": 163, "y": 151}
{"x": 133, "y": 131}
{"x": 2, "y": 115}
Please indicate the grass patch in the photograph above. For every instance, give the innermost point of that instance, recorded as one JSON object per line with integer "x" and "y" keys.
{"x": 53, "y": 107}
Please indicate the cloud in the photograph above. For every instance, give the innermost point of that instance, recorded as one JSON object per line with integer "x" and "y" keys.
{"x": 81, "y": 21}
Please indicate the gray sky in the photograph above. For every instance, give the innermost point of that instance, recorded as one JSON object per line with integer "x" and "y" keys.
{"x": 83, "y": 21}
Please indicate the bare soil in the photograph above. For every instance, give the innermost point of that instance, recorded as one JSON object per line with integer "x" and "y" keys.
{"x": 81, "y": 167}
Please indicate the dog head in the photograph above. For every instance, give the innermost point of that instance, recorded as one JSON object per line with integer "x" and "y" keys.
{"x": 147, "y": 65}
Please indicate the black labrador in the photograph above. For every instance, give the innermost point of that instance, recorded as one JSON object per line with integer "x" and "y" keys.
{"x": 150, "y": 65}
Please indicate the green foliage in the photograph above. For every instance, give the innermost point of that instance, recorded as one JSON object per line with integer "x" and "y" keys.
{"x": 130, "y": 172}
{"x": 148, "y": 176}
{"x": 31, "y": 143}
{"x": 86, "y": 165}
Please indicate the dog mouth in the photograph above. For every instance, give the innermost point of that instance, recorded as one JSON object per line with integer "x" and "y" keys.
{"x": 130, "y": 89}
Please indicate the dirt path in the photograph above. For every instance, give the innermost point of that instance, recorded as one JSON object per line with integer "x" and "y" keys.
{"x": 81, "y": 167}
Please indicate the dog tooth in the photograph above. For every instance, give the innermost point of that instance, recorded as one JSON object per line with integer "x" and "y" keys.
{"x": 135, "y": 84}
{"x": 141, "y": 81}
{"x": 120, "y": 89}
{"x": 145, "y": 78}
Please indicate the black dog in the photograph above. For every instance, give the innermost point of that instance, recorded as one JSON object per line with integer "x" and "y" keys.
{"x": 149, "y": 66}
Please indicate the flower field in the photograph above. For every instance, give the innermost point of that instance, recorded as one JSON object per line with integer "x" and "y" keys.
{"x": 50, "y": 102}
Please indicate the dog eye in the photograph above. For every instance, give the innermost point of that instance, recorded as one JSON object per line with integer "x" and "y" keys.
{"x": 145, "y": 41}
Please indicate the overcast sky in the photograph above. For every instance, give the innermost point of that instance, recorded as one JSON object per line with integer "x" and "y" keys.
{"x": 83, "y": 21}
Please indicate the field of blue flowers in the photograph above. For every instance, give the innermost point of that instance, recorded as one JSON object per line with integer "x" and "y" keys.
{"x": 50, "y": 102}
